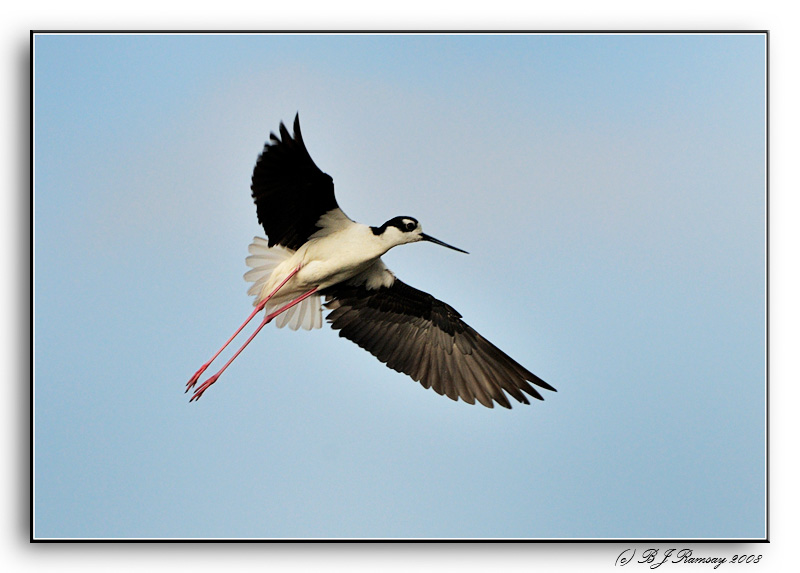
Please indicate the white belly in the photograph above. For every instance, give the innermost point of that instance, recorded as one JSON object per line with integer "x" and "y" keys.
{"x": 326, "y": 261}
{"x": 323, "y": 262}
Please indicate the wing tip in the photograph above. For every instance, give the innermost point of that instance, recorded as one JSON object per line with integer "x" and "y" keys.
{"x": 296, "y": 127}
{"x": 542, "y": 384}
{"x": 283, "y": 136}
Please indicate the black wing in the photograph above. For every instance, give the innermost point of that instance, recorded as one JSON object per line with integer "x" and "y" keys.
{"x": 289, "y": 190}
{"x": 414, "y": 333}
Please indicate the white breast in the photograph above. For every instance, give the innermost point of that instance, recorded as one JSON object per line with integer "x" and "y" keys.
{"x": 339, "y": 256}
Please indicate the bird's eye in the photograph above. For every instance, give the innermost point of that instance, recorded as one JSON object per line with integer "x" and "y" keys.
{"x": 410, "y": 226}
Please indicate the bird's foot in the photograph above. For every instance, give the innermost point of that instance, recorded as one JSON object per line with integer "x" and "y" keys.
{"x": 194, "y": 379}
{"x": 204, "y": 386}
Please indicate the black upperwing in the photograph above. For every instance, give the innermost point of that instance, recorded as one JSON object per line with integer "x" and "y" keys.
{"x": 290, "y": 192}
{"x": 414, "y": 333}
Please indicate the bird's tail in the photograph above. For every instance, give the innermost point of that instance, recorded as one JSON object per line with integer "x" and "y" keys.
{"x": 262, "y": 261}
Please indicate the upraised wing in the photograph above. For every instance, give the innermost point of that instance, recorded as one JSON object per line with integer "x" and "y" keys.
{"x": 290, "y": 192}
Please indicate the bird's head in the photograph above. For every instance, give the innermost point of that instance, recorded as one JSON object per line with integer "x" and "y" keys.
{"x": 402, "y": 230}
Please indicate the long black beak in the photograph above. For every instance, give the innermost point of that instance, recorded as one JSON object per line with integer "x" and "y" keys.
{"x": 442, "y": 243}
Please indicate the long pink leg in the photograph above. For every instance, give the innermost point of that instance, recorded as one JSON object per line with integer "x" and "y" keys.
{"x": 267, "y": 319}
{"x": 193, "y": 380}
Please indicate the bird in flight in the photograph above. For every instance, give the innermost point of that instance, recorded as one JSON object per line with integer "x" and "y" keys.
{"x": 314, "y": 251}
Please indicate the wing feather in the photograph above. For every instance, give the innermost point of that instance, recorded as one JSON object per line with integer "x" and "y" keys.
{"x": 290, "y": 192}
{"x": 414, "y": 333}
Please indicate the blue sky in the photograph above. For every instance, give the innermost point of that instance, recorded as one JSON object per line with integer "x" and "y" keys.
{"x": 609, "y": 189}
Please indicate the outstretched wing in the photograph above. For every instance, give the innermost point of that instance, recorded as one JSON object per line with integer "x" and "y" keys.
{"x": 414, "y": 333}
{"x": 290, "y": 192}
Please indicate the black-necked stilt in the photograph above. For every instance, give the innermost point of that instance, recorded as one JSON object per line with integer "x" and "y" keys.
{"x": 315, "y": 250}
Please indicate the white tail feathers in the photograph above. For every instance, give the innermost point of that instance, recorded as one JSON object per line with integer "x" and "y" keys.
{"x": 262, "y": 262}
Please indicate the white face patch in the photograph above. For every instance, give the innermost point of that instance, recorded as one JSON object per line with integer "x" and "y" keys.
{"x": 409, "y": 225}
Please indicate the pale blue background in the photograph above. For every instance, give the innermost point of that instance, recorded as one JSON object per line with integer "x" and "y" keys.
{"x": 610, "y": 190}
